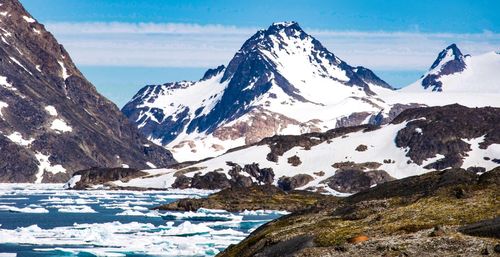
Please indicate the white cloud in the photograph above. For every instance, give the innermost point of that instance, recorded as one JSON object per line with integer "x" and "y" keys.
{"x": 193, "y": 45}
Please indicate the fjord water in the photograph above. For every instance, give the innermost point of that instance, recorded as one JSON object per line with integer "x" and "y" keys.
{"x": 46, "y": 220}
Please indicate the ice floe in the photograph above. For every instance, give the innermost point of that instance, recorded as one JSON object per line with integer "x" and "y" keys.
{"x": 76, "y": 209}
{"x": 24, "y": 209}
{"x": 124, "y": 224}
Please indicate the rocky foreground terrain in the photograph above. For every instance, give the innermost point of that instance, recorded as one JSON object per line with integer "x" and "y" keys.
{"x": 443, "y": 213}
{"x": 52, "y": 120}
{"x": 264, "y": 197}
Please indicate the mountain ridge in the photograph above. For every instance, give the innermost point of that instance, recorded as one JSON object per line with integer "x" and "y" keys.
{"x": 53, "y": 121}
{"x": 273, "y": 70}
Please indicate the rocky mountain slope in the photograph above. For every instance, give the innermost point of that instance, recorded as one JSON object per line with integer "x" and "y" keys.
{"x": 349, "y": 159}
{"x": 442, "y": 213}
{"x": 281, "y": 81}
{"x": 284, "y": 82}
{"x": 455, "y": 72}
{"x": 52, "y": 120}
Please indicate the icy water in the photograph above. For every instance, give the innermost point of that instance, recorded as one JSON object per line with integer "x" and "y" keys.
{"x": 46, "y": 220}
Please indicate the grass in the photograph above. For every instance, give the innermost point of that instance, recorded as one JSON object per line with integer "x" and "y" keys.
{"x": 401, "y": 216}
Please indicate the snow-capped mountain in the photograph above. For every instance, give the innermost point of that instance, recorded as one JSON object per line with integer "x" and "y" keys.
{"x": 349, "y": 159}
{"x": 281, "y": 81}
{"x": 52, "y": 120}
{"x": 454, "y": 72}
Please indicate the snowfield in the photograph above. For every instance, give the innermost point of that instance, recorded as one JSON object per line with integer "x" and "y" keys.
{"x": 318, "y": 160}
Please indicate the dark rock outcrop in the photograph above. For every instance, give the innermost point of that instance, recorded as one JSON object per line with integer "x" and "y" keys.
{"x": 217, "y": 180}
{"x": 355, "y": 180}
{"x": 210, "y": 180}
{"x": 440, "y": 130}
{"x": 53, "y": 121}
{"x": 484, "y": 228}
{"x": 256, "y": 197}
{"x": 100, "y": 176}
{"x": 291, "y": 183}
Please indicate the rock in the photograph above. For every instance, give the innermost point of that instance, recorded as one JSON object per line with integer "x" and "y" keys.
{"x": 354, "y": 119}
{"x": 497, "y": 248}
{"x": 355, "y": 180}
{"x": 358, "y": 166}
{"x": 99, "y": 176}
{"x": 294, "y": 160}
{"x": 490, "y": 177}
{"x": 357, "y": 239}
{"x": 361, "y": 148}
{"x": 476, "y": 169}
{"x": 438, "y": 231}
{"x": 485, "y": 228}
{"x": 263, "y": 176}
{"x": 211, "y": 180}
{"x": 291, "y": 183}
{"x": 182, "y": 182}
{"x": 319, "y": 173}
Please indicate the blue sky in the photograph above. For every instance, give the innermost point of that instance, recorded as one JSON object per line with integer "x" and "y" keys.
{"x": 123, "y": 44}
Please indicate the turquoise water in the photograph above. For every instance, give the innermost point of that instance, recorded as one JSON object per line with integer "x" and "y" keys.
{"x": 46, "y": 220}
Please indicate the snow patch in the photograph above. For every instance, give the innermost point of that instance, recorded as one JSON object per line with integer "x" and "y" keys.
{"x": 2, "y": 105}
{"x": 17, "y": 138}
{"x": 60, "y": 126}
{"x": 64, "y": 71}
{"x": 6, "y": 84}
{"x": 51, "y": 110}
{"x": 152, "y": 166}
{"x": 28, "y": 19}
{"x": 45, "y": 166}
{"x": 18, "y": 63}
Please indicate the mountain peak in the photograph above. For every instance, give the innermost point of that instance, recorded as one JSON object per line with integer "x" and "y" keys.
{"x": 449, "y": 61}
{"x": 288, "y": 28}
{"x": 452, "y": 52}
{"x": 278, "y": 26}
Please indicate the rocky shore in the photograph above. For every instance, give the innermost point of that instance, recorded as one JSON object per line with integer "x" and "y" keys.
{"x": 257, "y": 197}
{"x": 443, "y": 213}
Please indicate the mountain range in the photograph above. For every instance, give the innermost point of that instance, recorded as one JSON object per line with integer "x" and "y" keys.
{"x": 285, "y": 82}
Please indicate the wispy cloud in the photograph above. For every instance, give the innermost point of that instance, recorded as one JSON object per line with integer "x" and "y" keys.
{"x": 193, "y": 45}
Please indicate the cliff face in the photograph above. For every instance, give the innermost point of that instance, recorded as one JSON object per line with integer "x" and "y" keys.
{"x": 52, "y": 120}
